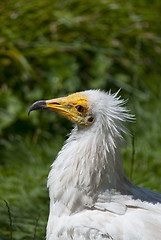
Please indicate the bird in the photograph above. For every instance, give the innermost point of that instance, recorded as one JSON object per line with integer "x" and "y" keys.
{"x": 90, "y": 196}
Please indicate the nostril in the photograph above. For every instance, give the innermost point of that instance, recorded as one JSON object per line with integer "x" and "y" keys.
{"x": 55, "y": 103}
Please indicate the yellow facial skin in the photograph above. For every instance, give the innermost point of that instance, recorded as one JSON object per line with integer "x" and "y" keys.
{"x": 74, "y": 107}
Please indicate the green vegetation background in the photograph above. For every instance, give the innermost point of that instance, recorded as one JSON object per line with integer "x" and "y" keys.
{"x": 50, "y": 49}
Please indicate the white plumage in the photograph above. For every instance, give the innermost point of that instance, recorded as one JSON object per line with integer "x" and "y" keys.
{"x": 90, "y": 196}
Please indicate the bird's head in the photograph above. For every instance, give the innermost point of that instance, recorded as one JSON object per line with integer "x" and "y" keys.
{"x": 88, "y": 107}
{"x": 76, "y": 107}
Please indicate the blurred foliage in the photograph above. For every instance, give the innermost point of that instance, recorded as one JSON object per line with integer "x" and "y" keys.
{"x": 52, "y": 48}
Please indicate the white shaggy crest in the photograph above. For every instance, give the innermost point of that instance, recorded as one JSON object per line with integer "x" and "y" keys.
{"x": 90, "y": 196}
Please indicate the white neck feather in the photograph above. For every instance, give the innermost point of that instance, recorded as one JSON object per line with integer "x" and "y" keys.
{"x": 89, "y": 159}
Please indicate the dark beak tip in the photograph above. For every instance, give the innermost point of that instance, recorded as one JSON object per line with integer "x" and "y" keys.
{"x": 29, "y": 112}
{"x": 37, "y": 106}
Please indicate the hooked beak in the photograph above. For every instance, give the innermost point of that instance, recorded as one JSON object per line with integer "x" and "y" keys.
{"x": 39, "y": 105}
{"x": 56, "y": 105}
{"x": 59, "y": 105}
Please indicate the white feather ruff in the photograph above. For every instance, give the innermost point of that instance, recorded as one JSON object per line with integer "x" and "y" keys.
{"x": 90, "y": 196}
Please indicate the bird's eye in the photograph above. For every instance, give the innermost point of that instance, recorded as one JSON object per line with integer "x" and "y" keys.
{"x": 80, "y": 108}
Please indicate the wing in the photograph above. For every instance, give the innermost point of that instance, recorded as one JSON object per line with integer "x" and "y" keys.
{"x": 127, "y": 196}
{"x": 113, "y": 216}
{"x": 136, "y": 224}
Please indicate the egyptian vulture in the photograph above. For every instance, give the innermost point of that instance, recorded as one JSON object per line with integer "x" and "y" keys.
{"x": 90, "y": 195}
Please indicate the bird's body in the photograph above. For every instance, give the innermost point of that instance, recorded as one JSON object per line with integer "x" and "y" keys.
{"x": 90, "y": 196}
